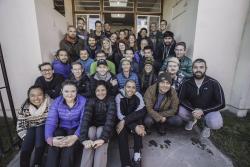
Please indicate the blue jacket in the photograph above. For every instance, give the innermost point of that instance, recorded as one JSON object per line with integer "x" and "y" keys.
{"x": 122, "y": 80}
{"x": 61, "y": 68}
{"x": 60, "y": 115}
{"x": 86, "y": 64}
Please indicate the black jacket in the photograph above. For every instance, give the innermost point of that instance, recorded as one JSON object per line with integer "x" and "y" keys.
{"x": 209, "y": 97}
{"x": 72, "y": 49}
{"x": 83, "y": 85}
{"x": 52, "y": 88}
{"x": 99, "y": 113}
{"x": 131, "y": 110}
{"x": 165, "y": 51}
{"x": 112, "y": 90}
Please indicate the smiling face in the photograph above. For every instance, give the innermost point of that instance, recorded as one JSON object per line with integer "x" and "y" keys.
{"x": 81, "y": 24}
{"x": 106, "y": 44}
{"x": 101, "y": 92}
{"x": 63, "y": 56}
{"x": 77, "y": 70}
{"x": 72, "y": 32}
{"x": 172, "y": 68}
{"x": 164, "y": 86}
{"x": 84, "y": 55}
{"x": 98, "y": 27}
{"x": 199, "y": 70}
{"x": 102, "y": 69}
{"x": 36, "y": 97}
{"x": 47, "y": 72}
{"x": 122, "y": 46}
{"x": 91, "y": 42}
{"x": 113, "y": 38}
{"x": 163, "y": 26}
{"x": 126, "y": 66}
{"x": 143, "y": 33}
{"x": 69, "y": 93}
{"x": 131, "y": 39}
{"x": 168, "y": 40}
{"x": 129, "y": 54}
{"x": 130, "y": 89}
{"x": 122, "y": 35}
{"x": 148, "y": 68}
{"x": 180, "y": 51}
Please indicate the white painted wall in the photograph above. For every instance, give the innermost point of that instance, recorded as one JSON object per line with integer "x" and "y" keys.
{"x": 181, "y": 17}
{"x": 218, "y": 36}
{"x": 20, "y": 43}
{"x": 30, "y": 34}
{"x": 241, "y": 86}
{"x": 51, "y": 27}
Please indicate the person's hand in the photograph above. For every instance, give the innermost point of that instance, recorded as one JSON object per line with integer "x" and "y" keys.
{"x": 140, "y": 130}
{"x": 68, "y": 141}
{"x": 120, "y": 126}
{"x": 57, "y": 141}
{"x": 113, "y": 82}
{"x": 98, "y": 143}
{"x": 197, "y": 113}
{"x": 87, "y": 143}
{"x": 163, "y": 119}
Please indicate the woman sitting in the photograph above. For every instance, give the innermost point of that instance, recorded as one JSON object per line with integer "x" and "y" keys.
{"x": 97, "y": 126}
{"x": 62, "y": 128}
{"x": 30, "y": 125}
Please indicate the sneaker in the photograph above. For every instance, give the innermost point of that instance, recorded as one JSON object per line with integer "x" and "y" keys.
{"x": 205, "y": 132}
{"x": 190, "y": 124}
{"x": 136, "y": 163}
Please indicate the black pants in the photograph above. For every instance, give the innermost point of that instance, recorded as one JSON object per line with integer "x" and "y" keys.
{"x": 124, "y": 147}
{"x": 64, "y": 157}
{"x": 34, "y": 138}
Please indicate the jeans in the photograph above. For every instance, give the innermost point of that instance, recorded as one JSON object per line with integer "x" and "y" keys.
{"x": 34, "y": 138}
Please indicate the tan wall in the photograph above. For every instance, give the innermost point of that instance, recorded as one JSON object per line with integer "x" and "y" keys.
{"x": 51, "y": 26}
{"x": 181, "y": 19}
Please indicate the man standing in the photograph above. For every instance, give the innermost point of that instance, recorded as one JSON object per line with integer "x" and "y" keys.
{"x": 163, "y": 29}
{"x": 50, "y": 82}
{"x": 166, "y": 48}
{"x": 72, "y": 43}
{"x": 107, "y": 29}
{"x": 201, "y": 97}
{"x": 81, "y": 31}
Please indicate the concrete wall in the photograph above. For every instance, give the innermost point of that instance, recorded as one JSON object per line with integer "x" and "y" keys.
{"x": 181, "y": 16}
{"x": 241, "y": 86}
{"x": 20, "y": 43}
{"x": 51, "y": 26}
{"x": 218, "y": 37}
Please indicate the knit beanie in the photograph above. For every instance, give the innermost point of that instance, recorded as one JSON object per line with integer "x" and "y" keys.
{"x": 164, "y": 76}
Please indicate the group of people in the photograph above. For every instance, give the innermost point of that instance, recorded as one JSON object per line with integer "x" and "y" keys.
{"x": 103, "y": 84}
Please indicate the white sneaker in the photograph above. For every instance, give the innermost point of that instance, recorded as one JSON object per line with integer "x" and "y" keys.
{"x": 206, "y": 132}
{"x": 190, "y": 124}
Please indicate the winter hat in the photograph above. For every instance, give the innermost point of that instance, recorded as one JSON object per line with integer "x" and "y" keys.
{"x": 149, "y": 61}
{"x": 164, "y": 76}
{"x": 173, "y": 59}
{"x": 102, "y": 62}
{"x": 168, "y": 34}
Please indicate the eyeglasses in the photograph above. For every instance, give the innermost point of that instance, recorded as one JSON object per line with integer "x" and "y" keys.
{"x": 46, "y": 70}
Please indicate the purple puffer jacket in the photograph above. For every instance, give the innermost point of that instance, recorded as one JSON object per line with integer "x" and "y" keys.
{"x": 61, "y": 68}
{"x": 60, "y": 115}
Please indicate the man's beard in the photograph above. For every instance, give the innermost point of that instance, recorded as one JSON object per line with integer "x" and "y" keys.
{"x": 199, "y": 76}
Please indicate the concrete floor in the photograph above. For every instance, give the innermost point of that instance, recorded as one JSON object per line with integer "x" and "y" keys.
{"x": 178, "y": 148}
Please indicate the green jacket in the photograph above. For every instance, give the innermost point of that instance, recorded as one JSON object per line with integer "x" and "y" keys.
{"x": 111, "y": 67}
